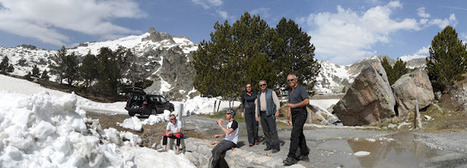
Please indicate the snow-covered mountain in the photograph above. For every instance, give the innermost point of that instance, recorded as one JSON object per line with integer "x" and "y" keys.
{"x": 166, "y": 61}
{"x": 334, "y": 79}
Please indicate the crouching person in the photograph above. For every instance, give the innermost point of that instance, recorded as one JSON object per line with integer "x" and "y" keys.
{"x": 173, "y": 131}
{"x": 230, "y": 141}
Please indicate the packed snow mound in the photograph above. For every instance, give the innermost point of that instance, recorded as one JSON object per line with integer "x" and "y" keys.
{"x": 44, "y": 131}
{"x": 46, "y": 128}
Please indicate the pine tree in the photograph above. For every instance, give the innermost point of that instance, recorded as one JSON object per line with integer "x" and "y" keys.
{"x": 225, "y": 63}
{"x": 399, "y": 69}
{"x": 396, "y": 71}
{"x": 108, "y": 72}
{"x": 45, "y": 75}
{"x": 28, "y": 76}
{"x": 35, "y": 72}
{"x": 447, "y": 61}
{"x": 57, "y": 64}
{"x": 71, "y": 68}
{"x": 388, "y": 68}
{"x": 10, "y": 68}
{"x": 4, "y": 65}
{"x": 296, "y": 54}
{"x": 88, "y": 69}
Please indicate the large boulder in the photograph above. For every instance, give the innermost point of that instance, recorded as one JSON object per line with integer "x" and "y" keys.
{"x": 369, "y": 99}
{"x": 412, "y": 88}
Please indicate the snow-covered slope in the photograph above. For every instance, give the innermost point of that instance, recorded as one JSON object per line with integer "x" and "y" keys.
{"x": 44, "y": 128}
{"x": 332, "y": 78}
{"x": 156, "y": 52}
{"x": 164, "y": 60}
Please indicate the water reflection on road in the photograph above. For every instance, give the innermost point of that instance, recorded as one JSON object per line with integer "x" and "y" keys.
{"x": 398, "y": 150}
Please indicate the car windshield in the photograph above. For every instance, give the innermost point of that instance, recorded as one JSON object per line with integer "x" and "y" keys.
{"x": 163, "y": 100}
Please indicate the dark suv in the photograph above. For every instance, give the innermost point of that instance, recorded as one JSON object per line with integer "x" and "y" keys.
{"x": 147, "y": 104}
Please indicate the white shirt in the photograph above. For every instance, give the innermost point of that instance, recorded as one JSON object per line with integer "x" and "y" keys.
{"x": 174, "y": 128}
{"x": 234, "y": 135}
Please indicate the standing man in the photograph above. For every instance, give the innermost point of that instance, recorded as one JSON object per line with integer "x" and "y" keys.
{"x": 248, "y": 107}
{"x": 231, "y": 137}
{"x": 298, "y": 100}
{"x": 173, "y": 131}
{"x": 267, "y": 106}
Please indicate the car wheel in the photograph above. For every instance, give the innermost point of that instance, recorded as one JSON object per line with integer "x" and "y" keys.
{"x": 131, "y": 113}
{"x": 154, "y": 111}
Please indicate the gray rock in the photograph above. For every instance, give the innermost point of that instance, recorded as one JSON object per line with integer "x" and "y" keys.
{"x": 156, "y": 36}
{"x": 409, "y": 89}
{"x": 369, "y": 99}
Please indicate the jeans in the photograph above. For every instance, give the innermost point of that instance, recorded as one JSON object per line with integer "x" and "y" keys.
{"x": 297, "y": 138}
{"x": 270, "y": 130}
{"x": 218, "y": 150}
{"x": 251, "y": 125}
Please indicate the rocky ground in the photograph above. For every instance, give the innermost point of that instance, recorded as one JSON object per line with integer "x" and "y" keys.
{"x": 332, "y": 146}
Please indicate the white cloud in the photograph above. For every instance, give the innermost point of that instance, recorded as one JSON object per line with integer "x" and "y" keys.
{"x": 422, "y": 13}
{"x": 262, "y": 12}
{"x": 216, "y": 4}
{"x": 43, "y": 20}
{"x": 223, "y": 14}
{"x": 348, "y": 36}
{"x": 442, "y": 23}
{"x": 208, "y": 3}
{"x": 422, "y": 53}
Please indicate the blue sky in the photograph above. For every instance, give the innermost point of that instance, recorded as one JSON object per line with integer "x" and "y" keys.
{"x": 343, "y": 31}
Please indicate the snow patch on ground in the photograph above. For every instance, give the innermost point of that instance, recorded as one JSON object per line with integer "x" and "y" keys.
{"x": 361, "y": 153}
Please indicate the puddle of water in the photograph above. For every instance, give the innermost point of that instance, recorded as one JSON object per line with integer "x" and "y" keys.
{"x": 399, "y": 150}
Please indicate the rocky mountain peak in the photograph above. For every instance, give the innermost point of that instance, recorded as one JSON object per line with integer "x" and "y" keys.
{"x": 156, "y": 36}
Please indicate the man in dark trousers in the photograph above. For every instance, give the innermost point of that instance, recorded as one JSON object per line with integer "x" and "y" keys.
{"x": 267, "y": 106}
{"x": 298, "y": 100}
{"x": 231, "y": 138}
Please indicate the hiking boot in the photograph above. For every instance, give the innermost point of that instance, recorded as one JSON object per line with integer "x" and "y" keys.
{"x": 267, "y": 148}
{"x": 304, "y": 158}
{"x": 162, "y": 150}
{"x": 177, "y": 152}
{"x": 275, "y": 151}
{"x": 251, "y": 144}
{"x": 289, "y": 161}
{"x": 256, "y": 143}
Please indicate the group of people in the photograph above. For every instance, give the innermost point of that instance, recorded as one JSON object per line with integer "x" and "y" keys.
{"x": 263, "y": 105}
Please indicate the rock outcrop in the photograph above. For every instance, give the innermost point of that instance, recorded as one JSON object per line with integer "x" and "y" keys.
{"x": 412, "y": 88}
{"x": 369, "y": 99}
{"x": 156, "y": 36}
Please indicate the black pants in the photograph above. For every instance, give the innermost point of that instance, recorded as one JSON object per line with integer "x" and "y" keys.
{"x": 220, "y": 149}
{"x": 270, "y": 130}
{"x": 173, "y": 136}
{"x": 297, "y": 138}
{"x": 251, "y": 125}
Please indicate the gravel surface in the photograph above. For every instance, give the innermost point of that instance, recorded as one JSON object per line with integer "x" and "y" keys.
{"x": 334, "y": 146}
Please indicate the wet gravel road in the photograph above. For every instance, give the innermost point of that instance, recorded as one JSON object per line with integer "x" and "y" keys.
{"x": 334, "y": 146}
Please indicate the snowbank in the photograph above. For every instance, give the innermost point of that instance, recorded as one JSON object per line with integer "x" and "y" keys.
{"x": 47, "y": 131}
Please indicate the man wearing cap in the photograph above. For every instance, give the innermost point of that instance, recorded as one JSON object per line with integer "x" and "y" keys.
{"x": 298, "y": 100}
{"x": 231, "y": 137}
{"x": 267, "y": 107}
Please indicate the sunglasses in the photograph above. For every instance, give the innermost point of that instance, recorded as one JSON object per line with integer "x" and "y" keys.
{"x": 172, "y": 119}
{"x": 290, "y": 80}
{"x": 262, "y": 85}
